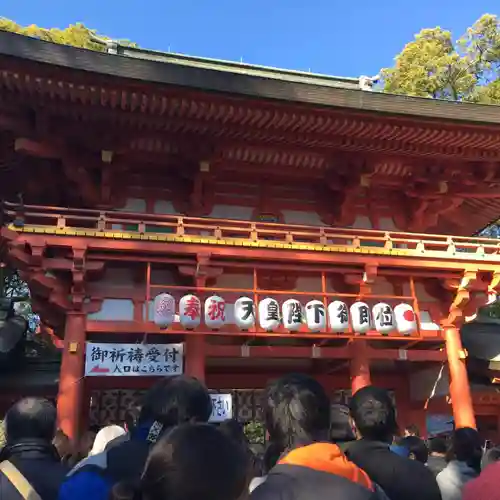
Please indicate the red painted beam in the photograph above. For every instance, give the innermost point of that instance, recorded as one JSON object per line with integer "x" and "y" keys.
{"x": 254, "y": 254}
{"x": 232, "y": 351}
{"x": 235, "y": 266}
{"x": 141, "y": 327}
{"x": 235, "y": 381}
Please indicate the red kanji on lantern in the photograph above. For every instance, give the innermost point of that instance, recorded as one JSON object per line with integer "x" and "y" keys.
{"x": 192, "y": 308}
{"x": 216, "y": 310}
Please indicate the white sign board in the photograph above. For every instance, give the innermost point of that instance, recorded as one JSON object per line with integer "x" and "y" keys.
{"x": 133, "y": 360}
{"x": 222, "y": 407}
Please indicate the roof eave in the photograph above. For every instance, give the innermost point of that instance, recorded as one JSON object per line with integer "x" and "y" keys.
{"x": 152, "y": 71}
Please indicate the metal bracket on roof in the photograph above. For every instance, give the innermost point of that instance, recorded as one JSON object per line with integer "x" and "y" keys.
{"x": 111, "y": 45}
{"x": 366, "y": 83}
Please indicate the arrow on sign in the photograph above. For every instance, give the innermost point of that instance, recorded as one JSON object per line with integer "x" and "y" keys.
{"x": 98, "y": 369}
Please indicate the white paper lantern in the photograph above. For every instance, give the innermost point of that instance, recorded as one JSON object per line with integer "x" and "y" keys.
{"x": 383, "y": 318}
{"x": 269, "y": 314}
{"x": 292, "y": 314}
{"x": 338, "y": 316}
{"x": 360, "y": 317}
{"x": 190, "y": 311}
{"x": 406, "y": 319}
{"x": 215, "y": 312}
{"x": 244, "y": 313}
{"x": 164, "y": 310}
{"x": 315, "y": 316}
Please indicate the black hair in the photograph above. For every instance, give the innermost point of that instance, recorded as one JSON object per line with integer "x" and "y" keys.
{"x": 173, "y": 401}
{"x": 181, "y": 466}
{"x": 437, "y": 445}
{"x": 271, "y": 457}
{"x": 341, "y": 430}
{"x": 374, "y": 414}
{"x": 62, "y": 444}
{"x": 465, "y": 446}
{"x": 297, "y": 411}
{"x": 131, "y": 417}
{"x": 412, "y": 430}
{"x": 235, "y": 431}
{"x": 31, "y": 418}
{"x": 491, "y": 456}
{"x": 416, "y": 447}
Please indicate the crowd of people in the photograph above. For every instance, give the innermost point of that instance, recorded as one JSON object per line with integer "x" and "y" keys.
{"x": 170, "y": 451}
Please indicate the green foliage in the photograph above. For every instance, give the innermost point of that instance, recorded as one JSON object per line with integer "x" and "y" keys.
{"x": 12, "y": 284}
{"x": 255, "y": 432}
{"x": 492, "y": 311}
{"x": 434, "y": 66}
{"x": 76, "y": 35}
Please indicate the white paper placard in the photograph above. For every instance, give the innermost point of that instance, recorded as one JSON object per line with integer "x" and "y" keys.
{"x": 222, "y": 407}
{"x": 133, "y": 360}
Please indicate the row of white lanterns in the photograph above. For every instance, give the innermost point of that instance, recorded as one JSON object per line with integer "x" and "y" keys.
{"x": 336, "y": 317}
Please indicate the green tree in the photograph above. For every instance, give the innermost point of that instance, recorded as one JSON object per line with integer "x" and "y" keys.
{"x": 11, "y": 284}
{"x": 77, "y": 35}
{"x": 434, "y": 66}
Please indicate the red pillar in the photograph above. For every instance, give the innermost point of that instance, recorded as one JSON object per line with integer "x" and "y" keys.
{"x": 359, "y": 366}
{"x": 461, "y": 400}
{"x": 70, "y": 396}
{"x": 195, "y": 348}
{"x": 195, "y": 356}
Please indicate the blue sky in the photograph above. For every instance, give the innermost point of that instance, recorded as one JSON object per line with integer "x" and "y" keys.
{"x": 345, "y": 38}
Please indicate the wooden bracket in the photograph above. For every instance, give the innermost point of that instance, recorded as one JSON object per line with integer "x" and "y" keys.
{"x": 456, "y": 314}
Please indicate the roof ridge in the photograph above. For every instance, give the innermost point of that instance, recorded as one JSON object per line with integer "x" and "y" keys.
{"x": 138, "y": 52}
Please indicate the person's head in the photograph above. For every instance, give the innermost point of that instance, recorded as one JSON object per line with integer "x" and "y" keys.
{"x": 417, "y": 449}
{"x": 30, "y": 419}
{"x": 233, "y": 429}
{"x": 86, "y": 442}
{"x": 373, "y": 413}
{"x": 191, "y": 462}
{"x": 174, "y": 401}
{"x": 105, "y": 437}
{"x": 411, "y": 430}
{"x": 341, "y": 430}
{"x": 62, "y": 444}
{"x": 130, "y": 420}
{"x": 297, "y": 411}
{"x": 437, "y": 446}
{"x": 491, "y": 456}
{"x": 465, "y": 446}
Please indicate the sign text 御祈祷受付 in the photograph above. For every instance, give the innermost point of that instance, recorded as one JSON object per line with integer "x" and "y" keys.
{"x": 133, "y": 360}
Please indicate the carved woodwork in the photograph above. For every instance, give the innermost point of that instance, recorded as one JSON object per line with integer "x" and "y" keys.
{"x": 470, "y": 293}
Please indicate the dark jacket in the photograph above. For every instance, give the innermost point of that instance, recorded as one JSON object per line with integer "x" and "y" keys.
{"x": 95, "y": 477}
{"x": 41, "y": 466}
{"x": 313, "y": 472}
{"x": 400, "y": 477}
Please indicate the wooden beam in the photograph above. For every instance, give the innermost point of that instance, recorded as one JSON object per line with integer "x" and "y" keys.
{"x": 76, "y": 164}
{"x": 141, "y": 327}
{"x": 138, "y": 247}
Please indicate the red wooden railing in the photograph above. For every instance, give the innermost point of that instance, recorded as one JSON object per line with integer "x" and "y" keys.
{"x": 111, "y": 220}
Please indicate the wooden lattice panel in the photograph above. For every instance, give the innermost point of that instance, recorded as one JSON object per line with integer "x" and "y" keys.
{"x": 111, "y": 406}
